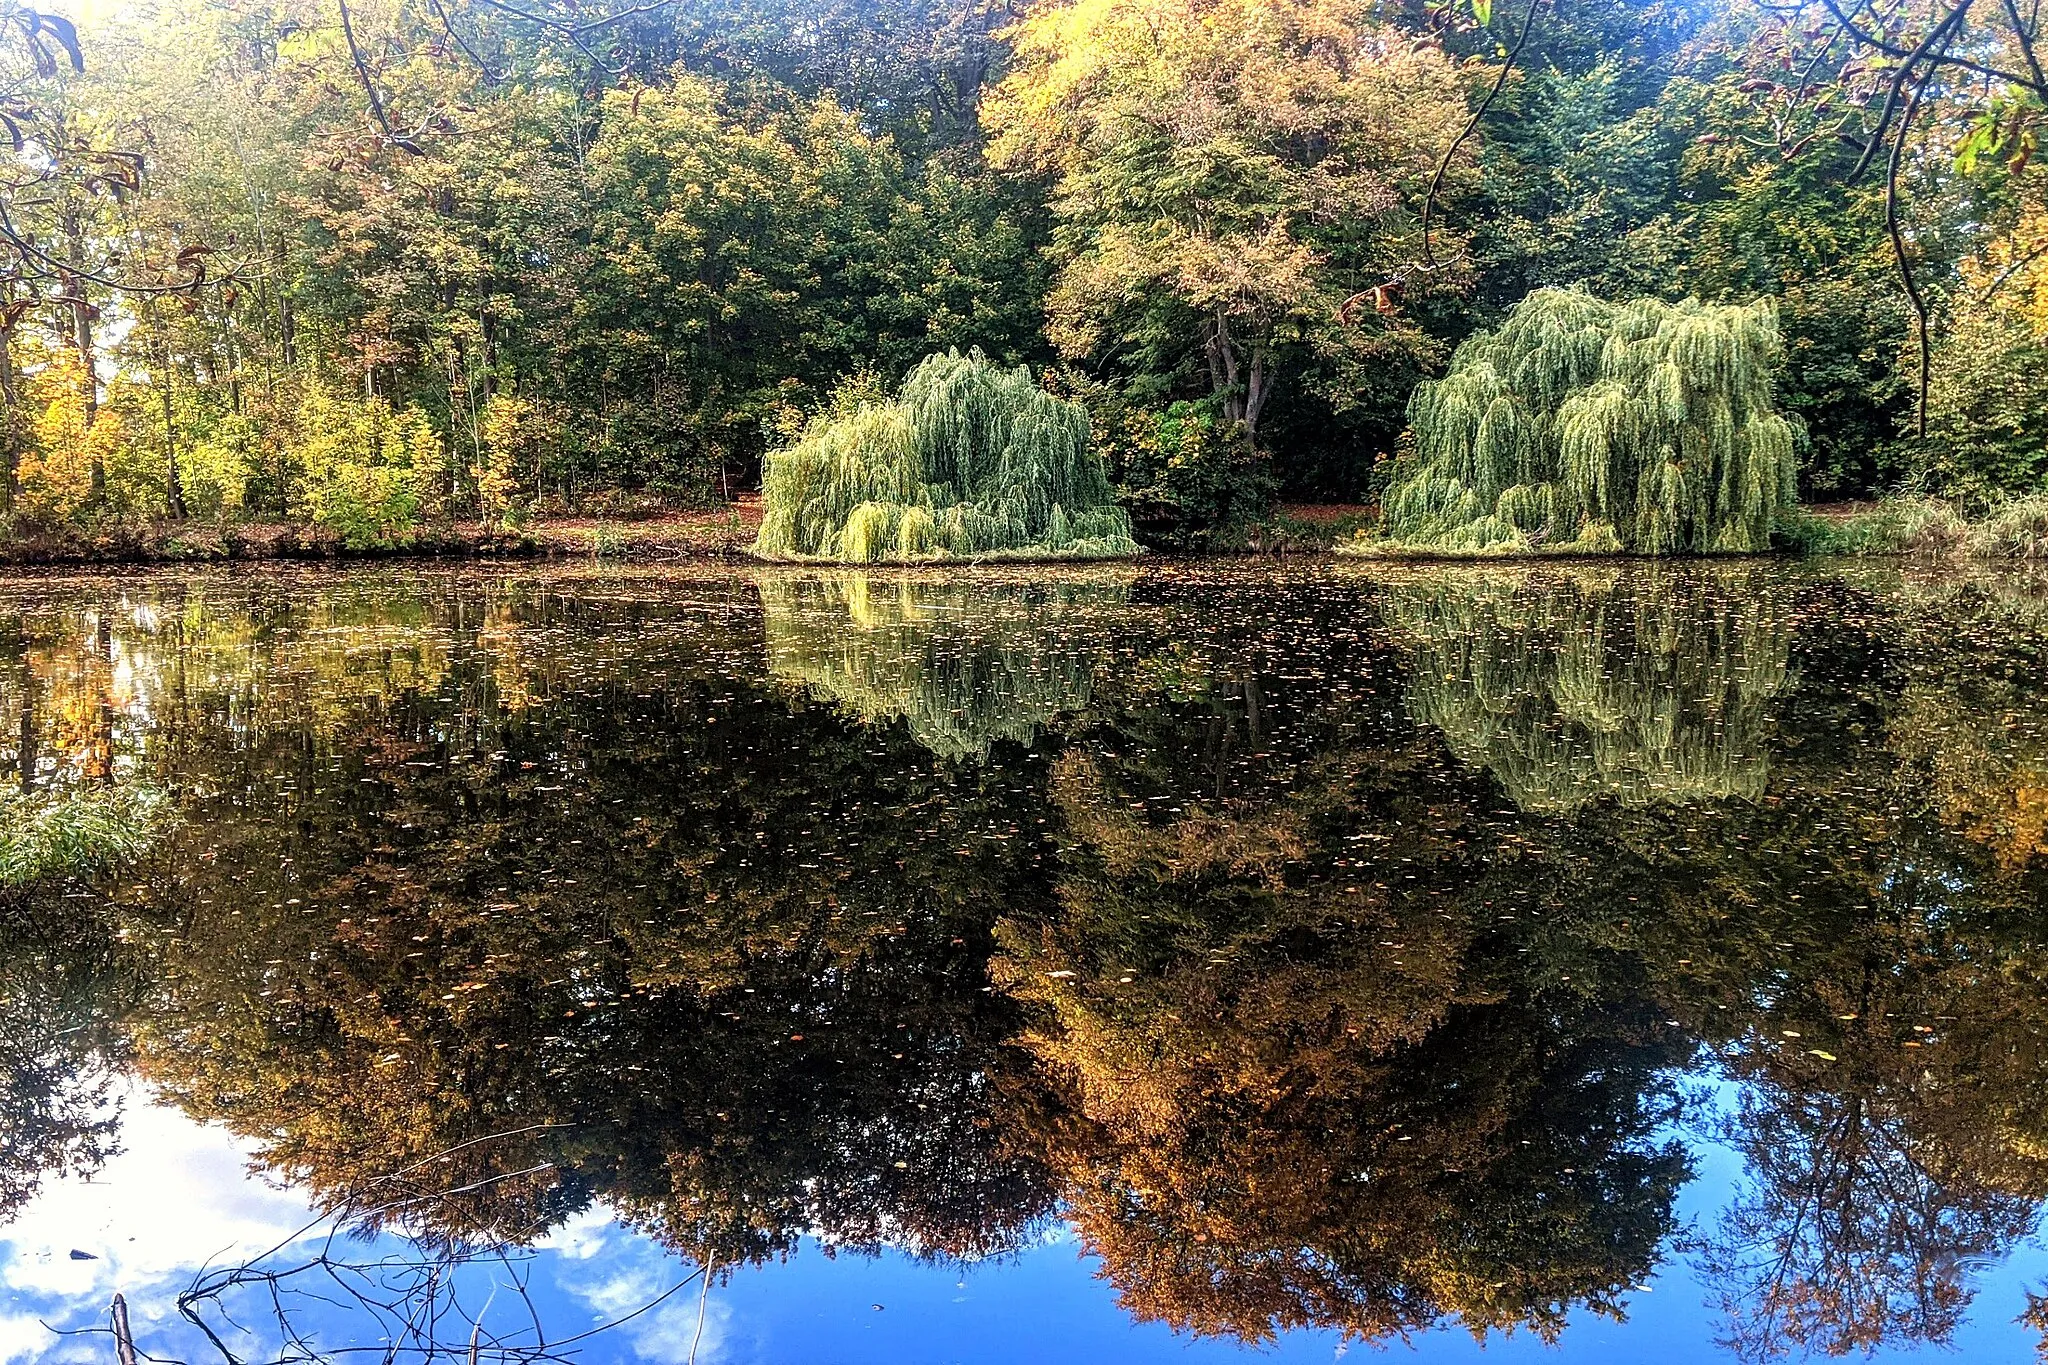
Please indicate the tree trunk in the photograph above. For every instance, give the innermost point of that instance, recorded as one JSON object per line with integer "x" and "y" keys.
{"x": 1242, "y": 397}
{"x": 81, "y": 337}
{"x": 174, "y": 484}
{"x": 1222, "y": 356}
{"x": 1257, "y": 388}
{"x": 10, "y": 424}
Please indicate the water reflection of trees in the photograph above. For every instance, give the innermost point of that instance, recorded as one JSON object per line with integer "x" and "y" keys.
{"x": 1646, "y": 686}
{"x": 962, "y": 663}
{"x": 63, "y": 992}
{"x": 1299, "y": 1025}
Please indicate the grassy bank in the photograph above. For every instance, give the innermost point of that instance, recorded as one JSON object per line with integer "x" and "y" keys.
{"x": 1922, "y": 527}
{"x": 703, "y": 534}
{"x": 1917, "y": 527}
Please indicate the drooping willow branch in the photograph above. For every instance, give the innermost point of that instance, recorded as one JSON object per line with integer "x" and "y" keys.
{"x": 1904, "y": 262}
{"x": 1443, "y": 164}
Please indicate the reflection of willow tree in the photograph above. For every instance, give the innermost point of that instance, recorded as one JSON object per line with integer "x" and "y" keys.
{"x": 1568, "y": 687}
{"x": 963, "y": 663}
{"x": 648, "y": 936}
{"x": 1291, "y": 1073}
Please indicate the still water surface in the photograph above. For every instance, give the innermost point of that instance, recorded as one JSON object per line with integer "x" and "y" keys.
{"x": 1609, "y": 965}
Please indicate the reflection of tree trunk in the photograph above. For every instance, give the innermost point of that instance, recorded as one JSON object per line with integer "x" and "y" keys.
{"x": 25, "y": 748}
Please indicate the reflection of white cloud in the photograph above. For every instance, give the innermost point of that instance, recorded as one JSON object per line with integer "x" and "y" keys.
{"x": 178, "y": 1195}
{"x": 583, "y": 1236}
{"x": 182, "y": 1194}
{"x": 632, "y": 1273}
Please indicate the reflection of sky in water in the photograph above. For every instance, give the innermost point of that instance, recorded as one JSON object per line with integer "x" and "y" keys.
{"x": 180, "y": 1195}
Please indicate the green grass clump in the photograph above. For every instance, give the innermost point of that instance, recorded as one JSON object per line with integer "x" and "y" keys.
{"x": 76, "y": 834}
{"x": 968, "y": 462}
{"x": 1919, "y": 526}
{"x": 1587, "y": 427}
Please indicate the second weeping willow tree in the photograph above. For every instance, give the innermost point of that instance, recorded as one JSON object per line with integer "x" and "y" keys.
{"x": 1582, "y": 426}
{"x": 969, "y": 461}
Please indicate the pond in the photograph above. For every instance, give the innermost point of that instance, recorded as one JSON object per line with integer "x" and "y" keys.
{"x": 1143, "y": 963}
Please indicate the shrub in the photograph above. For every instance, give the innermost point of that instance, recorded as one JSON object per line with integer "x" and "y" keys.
{"x": 1925, "y": 527}
{"x": 1987, "y": 405}
{"x": 371, "y": 475}
{"x": 1187, "y": 473}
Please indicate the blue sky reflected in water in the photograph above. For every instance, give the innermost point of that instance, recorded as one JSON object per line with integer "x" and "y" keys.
{"x": 182, "y": 1192}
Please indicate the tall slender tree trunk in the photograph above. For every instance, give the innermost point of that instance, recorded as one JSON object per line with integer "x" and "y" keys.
{"x": 80, "y": 306}
{"x": 166, "y": 372}
{"x": 10, "y": 423}
{"x": 174, "y": 483}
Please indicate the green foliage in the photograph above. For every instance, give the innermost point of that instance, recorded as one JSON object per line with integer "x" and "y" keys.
{"x": 1187, "y": 472}
{"x": 1231, "y": 180}
{"x": 1987, "y": 429}
{"x": 1588, "y": 427}
{"x": 969, "y": 461}
{"x": 746, "y": 255}
{"x": 75, "y": 834}
{"x": 370, "y": 474}
{"x": 1925, "y": 527}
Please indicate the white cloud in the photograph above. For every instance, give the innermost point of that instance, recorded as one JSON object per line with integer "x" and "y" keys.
{"x": 633, "y": 1274}
{"x": 179, "y": 1194}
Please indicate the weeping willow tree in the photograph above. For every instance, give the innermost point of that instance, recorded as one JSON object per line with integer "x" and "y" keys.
{"x": 1572, "y": 688}
{"x": 969, "y": 461}
{"x": 963, "y": 666}
{"x": 1590, "y": 427}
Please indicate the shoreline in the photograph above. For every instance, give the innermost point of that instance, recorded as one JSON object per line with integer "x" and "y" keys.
{"x": 724, "y": 534}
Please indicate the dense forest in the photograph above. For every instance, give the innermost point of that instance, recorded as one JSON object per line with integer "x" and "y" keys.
{"x": 374, "y": 264}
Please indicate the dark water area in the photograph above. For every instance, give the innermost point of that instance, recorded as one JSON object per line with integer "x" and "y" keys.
{"x": 1602, "y": 964}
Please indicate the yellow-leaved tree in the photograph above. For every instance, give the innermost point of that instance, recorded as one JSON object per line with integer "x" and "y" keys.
{"x": 66, "y": 443}
{"x": 1238, "y": 182}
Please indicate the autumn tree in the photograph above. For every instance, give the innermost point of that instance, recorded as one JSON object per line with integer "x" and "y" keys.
{"x": 1237, "y": 185}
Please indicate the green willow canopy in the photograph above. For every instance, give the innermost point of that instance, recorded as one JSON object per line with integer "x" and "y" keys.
{"x": 1587, "y": 427}
{"x": 970, "y": 461}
